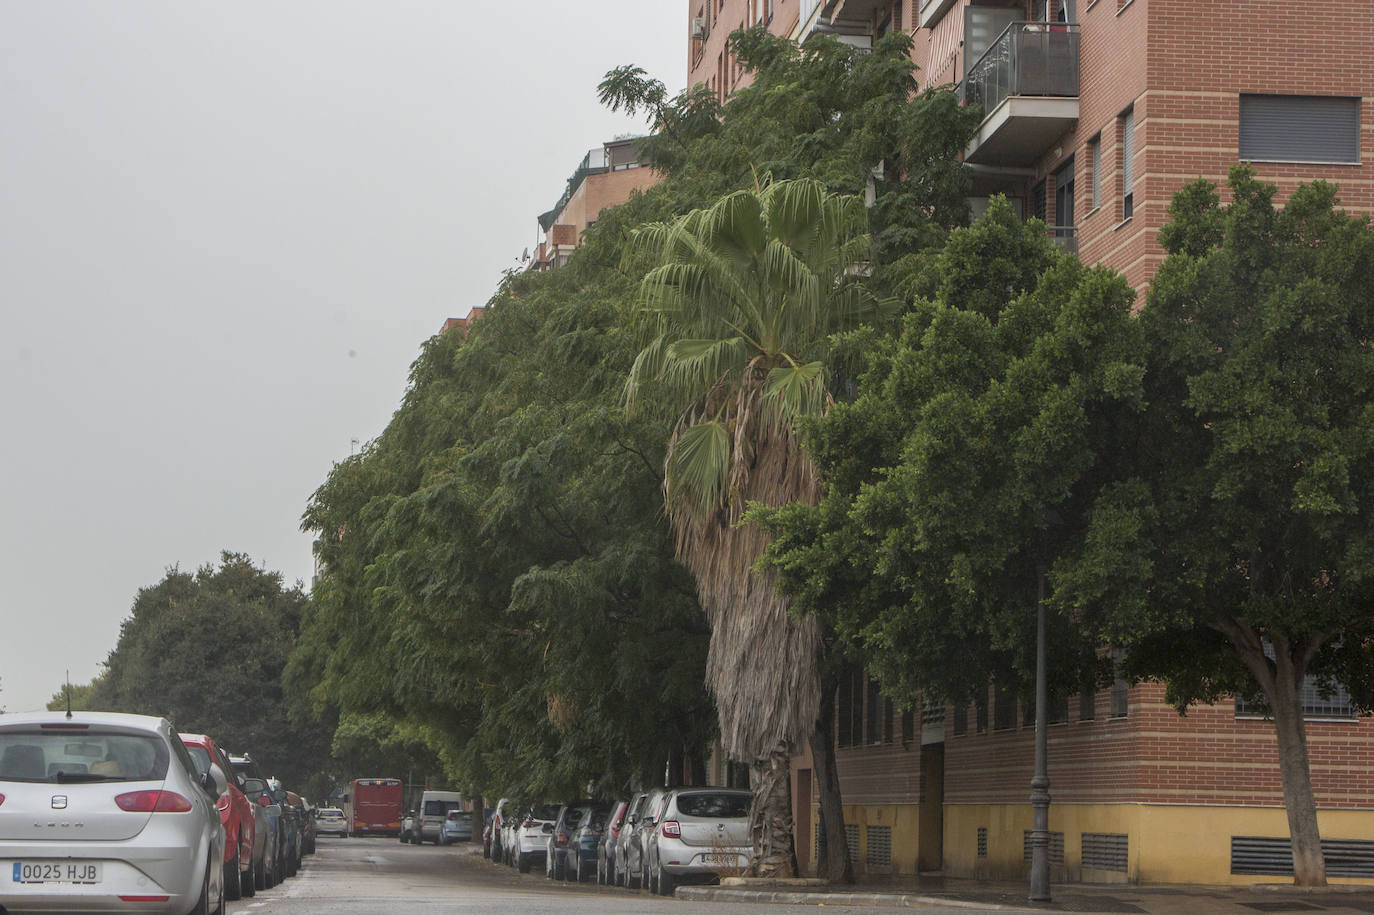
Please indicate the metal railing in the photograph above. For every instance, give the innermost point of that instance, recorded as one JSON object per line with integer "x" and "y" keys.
{"x": 1028, "y": 58}
{"x": 1065, "y": 237}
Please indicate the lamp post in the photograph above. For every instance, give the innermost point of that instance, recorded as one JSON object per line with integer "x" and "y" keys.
{"x": 1040, "y": 782}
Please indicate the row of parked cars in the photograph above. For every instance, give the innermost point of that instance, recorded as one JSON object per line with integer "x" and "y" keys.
{"x": 654, "y": 839}
{"x": 112, "y": 812}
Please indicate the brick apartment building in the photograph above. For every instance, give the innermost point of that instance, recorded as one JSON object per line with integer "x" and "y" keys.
{"x": 605, "y": 177}
{"x": 1096, "y": 112}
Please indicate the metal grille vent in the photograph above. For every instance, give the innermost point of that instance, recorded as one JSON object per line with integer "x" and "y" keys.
{"x": 851, "y": 838}
{"x": 1056, "y": 847}
{"x": 1105, "y": 851}
{"x": 879, "y": 846}
{"x": 982, "y": 841}
{"x": 1272, "y": 855}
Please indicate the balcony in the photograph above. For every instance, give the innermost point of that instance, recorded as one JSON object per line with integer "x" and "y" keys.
{"x": 1065, "y": 237}
{"x": 1027, "y": 83}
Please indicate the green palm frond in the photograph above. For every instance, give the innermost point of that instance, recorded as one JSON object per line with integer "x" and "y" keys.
{"x": 699, "y": 467}
{"x": 793, "y": 391}
{"x": 696, "y": 365}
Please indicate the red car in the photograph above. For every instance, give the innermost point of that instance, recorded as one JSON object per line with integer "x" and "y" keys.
{"x": 235, "y": 812}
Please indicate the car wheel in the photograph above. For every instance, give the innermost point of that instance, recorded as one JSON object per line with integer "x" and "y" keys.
{"x": 523, "y": 865}
{"x": 249, "y": 880}
{"x": 665, "y": 882}
{"x": 233, "y": 887}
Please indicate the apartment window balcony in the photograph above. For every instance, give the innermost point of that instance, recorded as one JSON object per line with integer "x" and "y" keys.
{"x": 1027, "y": 83}
{"x": 1065, "y": 237}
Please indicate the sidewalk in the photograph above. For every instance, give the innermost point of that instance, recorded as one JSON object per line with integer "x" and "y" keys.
{"x": 973, "y": 895}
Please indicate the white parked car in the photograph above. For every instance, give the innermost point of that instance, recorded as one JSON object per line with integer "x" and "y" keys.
{"x": 331, "y": 821}
{"x": 105, "y": 812}
{"x": 529, "y": 834}
{"x": 701, "y": 834}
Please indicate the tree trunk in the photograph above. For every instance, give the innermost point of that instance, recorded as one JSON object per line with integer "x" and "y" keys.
{"x": 1309, "y": 866}
{"x": 770, "y": 814}
{"x": 1282, "y": 685}
{"x": 835, "y": 865}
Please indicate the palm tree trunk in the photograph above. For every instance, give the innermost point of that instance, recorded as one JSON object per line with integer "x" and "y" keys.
{"x": 770, "y": 814}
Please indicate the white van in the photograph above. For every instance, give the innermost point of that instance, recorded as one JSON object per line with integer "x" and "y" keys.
{"x": 434, "y": 808}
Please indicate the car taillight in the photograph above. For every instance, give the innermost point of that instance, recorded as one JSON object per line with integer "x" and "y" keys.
{"x": 2, "y": 799}
{"x": 671, "y": 829}
{"x": 153, "y": 802}
{"x": 264, "y": 801}
{"x": 561, "y": 839}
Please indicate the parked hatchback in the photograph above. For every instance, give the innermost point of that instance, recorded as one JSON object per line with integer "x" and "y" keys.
{"x": 623, "y": 841}
{"x": 106, "y": 812}
{"x": 605, "y": 846}
{"x": 457, "y": 827}
{"x": 702, "y": 833}
{"x": 529, "y": 834}
{"x": 235, "y": 813}
{"x": 269, "y": 869}
{"x": 580, "y": 863}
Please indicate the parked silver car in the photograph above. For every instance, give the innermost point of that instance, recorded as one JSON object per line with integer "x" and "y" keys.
{"x": 702, "y": 833}
{"x": 631, "y": 864}
{"x": 619, "y": 874}
{"x": 101, "y": 810}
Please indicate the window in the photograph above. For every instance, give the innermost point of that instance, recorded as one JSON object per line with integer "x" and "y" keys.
{"x": 843, "y": 704}
{"x": 1336, "y": 703}
{"x": 1003, "y": 709}
{"x": 1095, "y": 158}
{"x": 1120, "y": 693}
{"x": 888, "y": 736}
{"x": 1039, "y": 210}
{"x": 873, "y": 729}
{"x": 1300, "y": 128}
{"x": 1128, "y": 164}
{"x": 1087, "y": 696}
{"x": 908, "y": 725}
{"x": 960, "y": 720}
{"x": 981, "y": 718}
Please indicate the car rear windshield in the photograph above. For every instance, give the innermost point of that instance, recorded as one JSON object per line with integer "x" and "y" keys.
{"x": 201, "y": 757}
{"x": 330, "y": 812}
{"x": 545, "y": 812}
{"x": 90, "y": 756}
{"x": 440, "y": 808}
{"x": 713, "y": 805}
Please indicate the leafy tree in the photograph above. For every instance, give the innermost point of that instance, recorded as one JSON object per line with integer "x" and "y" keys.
{"x": 206, "y": 651}
{"x": 503, "y": 575}
{"x": 736, "y": 316}
{"x": 983, "y": 422}
{"x": 852, "y": 120}
{"x": 1233, "y": 553}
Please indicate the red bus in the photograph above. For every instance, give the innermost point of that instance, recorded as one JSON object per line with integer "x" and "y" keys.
{"x": 375, "y": 806}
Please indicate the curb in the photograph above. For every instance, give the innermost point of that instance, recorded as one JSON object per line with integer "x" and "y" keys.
{"x": 867, "y": 900}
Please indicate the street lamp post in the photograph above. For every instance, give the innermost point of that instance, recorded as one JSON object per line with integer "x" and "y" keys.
{"x": 1040, "y": 782}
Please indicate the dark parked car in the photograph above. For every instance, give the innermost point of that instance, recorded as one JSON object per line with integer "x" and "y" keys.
{"x": 292, "y": 831}
{"x": 307, "y": 823}
{"x": 605, "y": 846}
{"x": 267, "y": 871}
{"x": 580, "y": 863}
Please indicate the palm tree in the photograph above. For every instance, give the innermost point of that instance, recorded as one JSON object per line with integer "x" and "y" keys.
{"x": 737, "y": 314}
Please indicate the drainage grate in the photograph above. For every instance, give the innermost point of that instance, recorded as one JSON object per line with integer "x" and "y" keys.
{"x": 1105, "y": 851}
{"x": 879, "y": 846}
{"x": 851, "y": 838}
{"x": 982, "y": 841}
{"x": 1056, "y": 847}
{"x": 1273, "y": 855}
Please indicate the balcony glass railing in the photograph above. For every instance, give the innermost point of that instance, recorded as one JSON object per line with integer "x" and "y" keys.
{"x": 1028, "y": 58}
{"x": 1065, "y": 237}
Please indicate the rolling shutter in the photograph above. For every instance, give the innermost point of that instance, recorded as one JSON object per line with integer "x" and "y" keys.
{"x": 1300, "y": 128}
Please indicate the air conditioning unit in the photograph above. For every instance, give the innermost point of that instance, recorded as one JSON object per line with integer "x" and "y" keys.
{"x": 699, "y": 28}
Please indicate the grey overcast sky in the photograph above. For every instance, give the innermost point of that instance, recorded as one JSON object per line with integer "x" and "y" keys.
{"x": 225, "y": 230}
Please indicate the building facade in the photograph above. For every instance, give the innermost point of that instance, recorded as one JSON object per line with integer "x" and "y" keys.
{"x": 1095, "y": 112}
{"x": 607, "y": 176}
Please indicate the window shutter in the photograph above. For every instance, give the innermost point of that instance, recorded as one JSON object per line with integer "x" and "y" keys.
{"x": 1128, "y": 151}
{"x": 1300, "y": 128}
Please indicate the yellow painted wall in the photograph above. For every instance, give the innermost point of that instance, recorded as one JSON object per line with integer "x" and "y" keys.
{"x": 903, "y": 819}
{"x": 1167, "y": 844}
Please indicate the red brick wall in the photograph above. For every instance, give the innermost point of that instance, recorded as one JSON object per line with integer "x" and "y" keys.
{"x": 1153, "y": 755}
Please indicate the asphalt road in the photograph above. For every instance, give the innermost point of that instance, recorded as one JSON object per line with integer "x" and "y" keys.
{"x": 382, "y": 877}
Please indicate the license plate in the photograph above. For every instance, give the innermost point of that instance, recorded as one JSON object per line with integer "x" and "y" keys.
{"x": 730, "y": 860}
{"x": 82, "y": 872}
